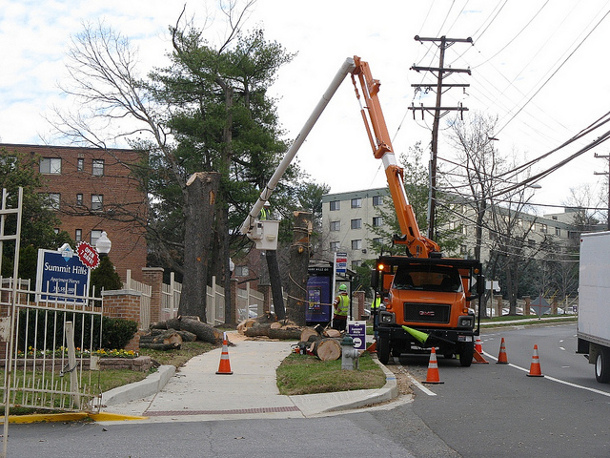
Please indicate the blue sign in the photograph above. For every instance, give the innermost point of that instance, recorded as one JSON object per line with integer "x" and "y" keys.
{"x": 62, "y": 275}
{"x": 357, "y": 331}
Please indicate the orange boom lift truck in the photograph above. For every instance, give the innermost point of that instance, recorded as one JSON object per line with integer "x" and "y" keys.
{"x": 428, "y": 299}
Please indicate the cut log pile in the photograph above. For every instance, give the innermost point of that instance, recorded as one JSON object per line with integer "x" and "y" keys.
{"x": 323, "y": 343}
{"x": 168, "y": 335}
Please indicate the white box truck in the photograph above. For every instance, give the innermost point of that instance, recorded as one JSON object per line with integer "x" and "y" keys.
{"x": 594, "y": 302}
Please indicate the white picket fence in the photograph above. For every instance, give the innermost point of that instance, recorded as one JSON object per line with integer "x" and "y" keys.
{"x": 145, "y": 298}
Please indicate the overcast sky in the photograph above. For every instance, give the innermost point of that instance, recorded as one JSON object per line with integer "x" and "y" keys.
{"x": 540, "y": 66}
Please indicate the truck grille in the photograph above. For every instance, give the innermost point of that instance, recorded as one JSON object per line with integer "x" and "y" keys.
{"x": 427, "y": 313}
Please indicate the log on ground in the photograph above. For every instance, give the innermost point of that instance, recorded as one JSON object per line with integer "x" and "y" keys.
{"x": 326, "y": 349}
{"x": 168, "y": 339}
{"x": 203, "y": 331}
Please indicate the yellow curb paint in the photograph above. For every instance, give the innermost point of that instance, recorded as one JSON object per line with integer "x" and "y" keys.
{"x": 76, "y": 416}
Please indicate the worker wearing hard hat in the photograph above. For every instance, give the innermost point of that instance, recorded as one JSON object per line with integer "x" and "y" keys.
{"x": 265, "y": 211}
{"x": 341, "y": 309}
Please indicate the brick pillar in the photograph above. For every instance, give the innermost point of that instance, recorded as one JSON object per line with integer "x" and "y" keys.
{"x": 122, "y": 303}
{"x": 153, "y": 276}
{"x": 359, "y": 305}
{"x": 528, "y": 303}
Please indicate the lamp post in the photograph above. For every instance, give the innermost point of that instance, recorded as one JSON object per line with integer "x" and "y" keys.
{"x": 103, "y": 245}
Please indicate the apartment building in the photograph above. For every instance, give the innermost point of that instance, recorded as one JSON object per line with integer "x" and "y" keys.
{"x": 347, "y": 219}
{"x": 93, "y": 191}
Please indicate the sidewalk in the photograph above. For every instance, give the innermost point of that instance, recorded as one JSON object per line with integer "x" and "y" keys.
{"x": 197, "y": 393}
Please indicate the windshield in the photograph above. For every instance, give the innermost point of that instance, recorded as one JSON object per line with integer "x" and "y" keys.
{"x": 428, "y": 278}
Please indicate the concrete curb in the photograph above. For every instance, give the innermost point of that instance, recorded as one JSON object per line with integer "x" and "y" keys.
{"x": 147, "y": 387}
{"x": 386, "y": 393}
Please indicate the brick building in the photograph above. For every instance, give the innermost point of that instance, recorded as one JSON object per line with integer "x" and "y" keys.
{"x": 93, "y": 192}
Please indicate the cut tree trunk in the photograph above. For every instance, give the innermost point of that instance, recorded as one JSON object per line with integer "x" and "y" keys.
{"x": 299, "y": 263}
{"x": 326, "y": 349}
{"x": 167, "y": 340}
{"x": 307, "y": 333}
{"x": 200, "y": 193}
{"x": 203, "y": 331}
{"x": 272, "y": 331}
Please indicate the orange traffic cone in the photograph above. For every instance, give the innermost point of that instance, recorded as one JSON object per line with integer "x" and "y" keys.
{"x": 535, "y": 366}
{"x": 225, "y": 365}
{"x": 433, "y": 375}
{"x": 477, "y": 356}
{"x": 502, "y": 359}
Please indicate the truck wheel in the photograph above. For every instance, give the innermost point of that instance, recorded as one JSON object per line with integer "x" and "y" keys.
{"x": 383, "y": 350}
{"x": 466, "y": 353}
{"x": 602, "y": 365}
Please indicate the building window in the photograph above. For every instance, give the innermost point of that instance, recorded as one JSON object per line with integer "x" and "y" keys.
{"x": 97, "y": 202}
{"x": 95, "y": 235}
{"x": 357, "y": 223}
{"x": 356, "y": 264}
{"x": 378, "y": 240}
{"x": 357, "y": 202}
{"x": 79, "y": 199}
{"x": 50, "y": 165}
{"x": 242, "y": 271}
{"x": 52, "y": 200}
{"x": 377, "y": 221}
{"x": 377, "y": 201}
{"x": 463, "y": 250}
{"x": 335, "y": 226}
{"x": 334, "y": 246}
{"x": 557, "y": 232}
{"x": 78, "y": 235}
{"x": 9, "y": 161}
{"x": 334, "y": 205}
{"x": 356, "y": 244}
{"x": 80, "y": 164}
{"x": 543, "y": 228}
{"x": 98, "y": 167}
{"x": 531, "y": 243}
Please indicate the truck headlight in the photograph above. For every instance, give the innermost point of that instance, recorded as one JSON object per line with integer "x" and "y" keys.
{"x": 386, "y": 318}
{"x": 466, "y": 322}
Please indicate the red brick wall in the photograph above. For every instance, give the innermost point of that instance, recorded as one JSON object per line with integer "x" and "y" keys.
{"x": 121, "y": 199}
{"x": 122, "y": 304}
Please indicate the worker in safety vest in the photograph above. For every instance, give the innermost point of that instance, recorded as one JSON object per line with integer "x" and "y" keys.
{"x": 375, "y": 308}
{"x": 341, "y": 306}
{"x": 265, "y": 212}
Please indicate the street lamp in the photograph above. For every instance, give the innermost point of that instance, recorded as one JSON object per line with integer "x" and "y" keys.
{"x": 103, "y": 245}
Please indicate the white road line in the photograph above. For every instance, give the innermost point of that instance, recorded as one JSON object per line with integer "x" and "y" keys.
{"x": 413, "y": 380}
{"x": 553, "y": 379}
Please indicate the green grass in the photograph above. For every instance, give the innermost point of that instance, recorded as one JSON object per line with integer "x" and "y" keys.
{"x": 305, "y": 374}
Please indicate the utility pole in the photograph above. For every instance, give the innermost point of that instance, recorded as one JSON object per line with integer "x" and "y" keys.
{"x": 438, "y": 111}
{"x": 606, "y": 156}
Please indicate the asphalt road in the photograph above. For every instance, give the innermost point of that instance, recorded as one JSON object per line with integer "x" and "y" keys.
{"x": 496, "y": 410}
{"x": 483, "y": 411}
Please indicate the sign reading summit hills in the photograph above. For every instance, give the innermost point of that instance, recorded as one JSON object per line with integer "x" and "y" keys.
{"x": 61, "y": 276}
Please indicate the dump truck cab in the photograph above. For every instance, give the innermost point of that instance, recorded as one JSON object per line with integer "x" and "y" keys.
{"x": 439, "y": 297}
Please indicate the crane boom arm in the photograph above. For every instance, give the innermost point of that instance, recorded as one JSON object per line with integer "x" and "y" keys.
{"x": 376, "y": 128}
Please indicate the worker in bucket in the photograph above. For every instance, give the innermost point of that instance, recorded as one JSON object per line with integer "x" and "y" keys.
{"x": 341, "y": 309}
{"x": 265, "y": 212}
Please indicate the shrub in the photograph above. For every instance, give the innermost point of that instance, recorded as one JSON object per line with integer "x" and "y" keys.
{"x": 116, "y": 332}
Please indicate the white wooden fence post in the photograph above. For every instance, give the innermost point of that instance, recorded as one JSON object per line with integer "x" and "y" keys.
{"x": 211, "y": 315}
